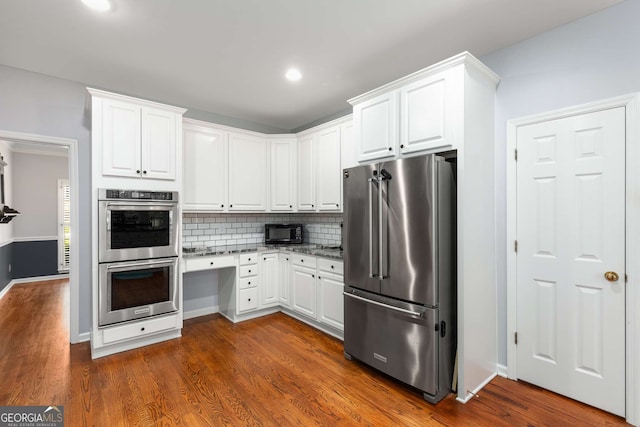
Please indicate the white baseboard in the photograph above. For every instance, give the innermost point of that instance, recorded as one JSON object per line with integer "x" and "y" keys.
{"x": 473, "y": 393}
{"x": 6, "y": 289}
{"x": 39, "y": 279}
{"x": 84, "y": 337}
{"x": 502, "y": 371}
{"x": 200, "y": 312}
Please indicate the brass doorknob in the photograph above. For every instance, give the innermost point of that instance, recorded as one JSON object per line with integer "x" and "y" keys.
{"x": 611, "y": 276}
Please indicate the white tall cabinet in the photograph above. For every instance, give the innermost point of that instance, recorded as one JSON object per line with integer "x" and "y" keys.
{"x": 449, "y": 107}
{"x": 135, "y": 145}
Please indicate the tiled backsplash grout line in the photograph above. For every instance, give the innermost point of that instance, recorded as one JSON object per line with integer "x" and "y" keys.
{"x": 211, "y": 229}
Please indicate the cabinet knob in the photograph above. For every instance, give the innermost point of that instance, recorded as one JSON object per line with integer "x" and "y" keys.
{"x": 290, "y": 206}
{"x": 138, "y": 171}
{"x": 222, "y": 206}
{"x": 249, "y": 271}
{"x": 312, "y": 206}
{"x": 211, "y": 263}
{"x": 301, "y": 260}
{"x": 332, "y": 266}
{"x": 287, "y": 259}
{"x": 313, "y": 275}
{"x": 230, "y": 206}
{"x": 390, "y": 149}
{"x": 337, "y": 205}
{"x": 249, "y": 299}
{"x": 249, "y": 283}
{"x": 319, "y": 277}
{"x": 401, "y": 145}
{"x": 142, "y": 329}
{"x": 144, "y": 172}
{"x": 264, "y": 259}
{"x": 249, "y": 259}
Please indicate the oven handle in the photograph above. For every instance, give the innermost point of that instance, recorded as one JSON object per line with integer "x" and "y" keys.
{"x": 149, "y": 263}
{"x": 108, "y": 221}
{"x": 142, "y": 204}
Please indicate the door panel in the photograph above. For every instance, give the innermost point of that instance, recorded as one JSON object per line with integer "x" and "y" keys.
{"x": 570, "y": 231}
{"x": 360, "y": 222}
{"x": 409, "y": 230}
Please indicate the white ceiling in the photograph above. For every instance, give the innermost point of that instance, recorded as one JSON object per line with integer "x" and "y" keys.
{"x": 228, "y": 57}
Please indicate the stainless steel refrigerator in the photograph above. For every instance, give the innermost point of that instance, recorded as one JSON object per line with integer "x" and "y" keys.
{"x": 399, "y": 270}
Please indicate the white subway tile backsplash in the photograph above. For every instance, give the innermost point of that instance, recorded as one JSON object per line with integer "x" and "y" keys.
{"x": 213, "y": 229}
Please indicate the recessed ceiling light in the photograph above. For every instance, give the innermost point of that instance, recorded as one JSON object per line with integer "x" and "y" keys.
{"x": 99, "y": 5}
{"x": 293, "y": 75}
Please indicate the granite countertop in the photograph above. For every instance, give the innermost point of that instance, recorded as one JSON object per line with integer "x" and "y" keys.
{"x": 332, "y": 252}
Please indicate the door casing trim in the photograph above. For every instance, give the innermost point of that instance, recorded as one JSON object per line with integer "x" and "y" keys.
{"x": 632, "y": 245}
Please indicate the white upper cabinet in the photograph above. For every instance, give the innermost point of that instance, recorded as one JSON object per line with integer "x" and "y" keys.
{"x": 375, "y": 124}
{"x": 347, "y": 146}
{"x": 283, "y": 174}
{"x": 427, "y": 109}
{"x": 205, "y": 168}
{"x": 329, "y": 172}
{"x": 430, "y": 113}
{"x": 136, "y": 138}
{"x": 121, "y": 133}
{"x": 306, "y": 173}
{"x": 247, "y": 173}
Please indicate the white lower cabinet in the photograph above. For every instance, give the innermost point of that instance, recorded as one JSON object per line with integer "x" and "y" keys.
{"x": 249, "y": 283}
{"x": 303, "y": 282}
{"x": 284, "y": 279}
{"x": 269, "y": 280}
{"x": 330, "y": 298}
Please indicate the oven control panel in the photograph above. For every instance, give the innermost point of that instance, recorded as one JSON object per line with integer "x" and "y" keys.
{"x": 111, "y": 194}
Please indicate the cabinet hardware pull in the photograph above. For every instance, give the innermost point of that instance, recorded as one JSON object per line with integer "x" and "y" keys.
{"x": 138, "y": 171}
{"x": 332, "y": 266}
{"x": 222, "y": 206}
{"x": 249, "y": 299}
{"x": 144, "y": 172}
{"x": 401, "y": 145}
{"x": 390, "y": 148}
{"x": 141, "y": 329}
{"x": 211, "y": 262}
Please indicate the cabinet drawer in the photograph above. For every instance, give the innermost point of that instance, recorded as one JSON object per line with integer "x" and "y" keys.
{"x": 138, "y": 329}
{"x": 331, "y": 266}
{"x": 303, "y": 260}
{"x": 247, "y": 299}
{"x": 209, "y": 262}
{"x": 247, "y": 282}
{"x": 248, "y": 270}
{"x": 246, "y": 259}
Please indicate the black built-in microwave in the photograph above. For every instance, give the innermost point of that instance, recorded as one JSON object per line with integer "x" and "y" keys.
{"x": 283, "y": 233}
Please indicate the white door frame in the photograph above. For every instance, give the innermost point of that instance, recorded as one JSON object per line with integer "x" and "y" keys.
{"x": 74, "y": 271}
{"x": 632, "y": 244}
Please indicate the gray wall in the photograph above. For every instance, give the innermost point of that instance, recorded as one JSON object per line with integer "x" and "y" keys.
{"x": 588, "y": 60}
{"x": 35, "y": 193}
{"x": 38, "y": 104}
{"x": 33, "y": 259}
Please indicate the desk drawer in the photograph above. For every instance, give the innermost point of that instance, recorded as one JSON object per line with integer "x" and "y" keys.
{"x": 209, "y": 262}
{"x": 247, "y": 282}
{"x": 246, "y": 259}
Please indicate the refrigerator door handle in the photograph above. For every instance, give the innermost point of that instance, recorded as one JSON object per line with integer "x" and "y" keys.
{"x": 390, "y": 307}
{"x": 371, "y": 275}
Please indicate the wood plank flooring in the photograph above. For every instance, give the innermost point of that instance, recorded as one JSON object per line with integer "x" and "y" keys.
{"x": 272, "y": 371}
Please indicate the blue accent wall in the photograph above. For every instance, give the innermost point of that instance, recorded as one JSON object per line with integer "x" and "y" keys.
{"x": 33, "y": 259}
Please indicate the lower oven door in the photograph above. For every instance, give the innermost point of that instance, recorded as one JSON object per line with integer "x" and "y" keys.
{"x": 136, "y": 289}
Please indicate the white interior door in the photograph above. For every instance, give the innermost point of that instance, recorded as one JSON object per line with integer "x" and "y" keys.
{"x": 570, "y": 233}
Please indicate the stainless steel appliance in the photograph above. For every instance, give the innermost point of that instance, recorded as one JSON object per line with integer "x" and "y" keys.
{"x": 399, "y": 270}
{"x": 137, "y": 224}
{"x": 134, "y": 289}
{"x": 137, "y": 254}
{"x": 283, "y": 233}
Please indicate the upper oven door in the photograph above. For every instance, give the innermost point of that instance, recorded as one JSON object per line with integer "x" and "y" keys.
{"x": 137, "y": 230}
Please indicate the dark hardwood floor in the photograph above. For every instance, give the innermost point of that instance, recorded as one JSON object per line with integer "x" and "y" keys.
{"x": 269, "y": 371}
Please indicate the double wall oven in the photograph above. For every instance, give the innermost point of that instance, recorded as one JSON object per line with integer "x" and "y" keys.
{"x": 137, "y": 254}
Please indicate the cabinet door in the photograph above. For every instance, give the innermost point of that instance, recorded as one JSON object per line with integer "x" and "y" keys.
{"x": 329, "y": 174}
{"x": 120, "y": 139}
{"x": 303, "y": 281}
{"x": 347, "y": 146}
{"x": 284, "y": 280}
{"x": 375, "y": 124}
{"x": 269, "y": 280}
{"x": 158, "y": 144}
{"x": 247, "y": 172}
{"x": 205, "y": 169}
{"x": 306, "y": 174}
{"x": 283, "y": 174}
{"x": 331, "y": 300}
{"x": 426, "y": 114}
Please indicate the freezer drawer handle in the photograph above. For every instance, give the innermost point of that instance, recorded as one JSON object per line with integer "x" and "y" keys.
{"x": 390, "y": 307}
